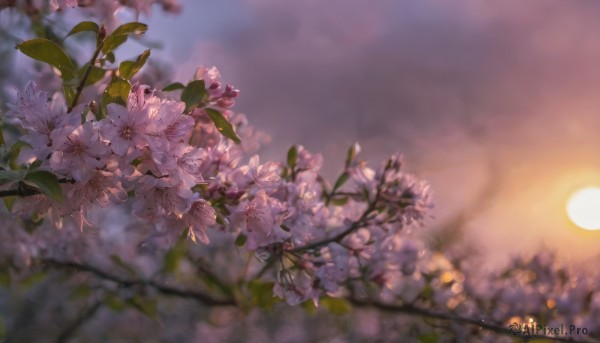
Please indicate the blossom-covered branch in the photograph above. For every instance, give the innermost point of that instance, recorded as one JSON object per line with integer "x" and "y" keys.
{"x": 138, "y": 175}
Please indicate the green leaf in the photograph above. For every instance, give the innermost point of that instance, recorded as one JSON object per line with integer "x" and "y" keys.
{"x": 120, "y": 35}
{"x": 146, "y": 306}
{"x": 341, "y": 201}
{"x": 30, "y": 225}
{"x": 174, "y": 256}
{"x": 111, "y": 43}
{"x": 32, "y": 280}
{"x": 110, "y": 57}
{"x": 130, "y": 28}
{"x": 96, "y": 74}
{"x": 46, "y": 182}
{"x": 428, "y": 338}
{"x": 114, "y": 303}
{"x": 128, "y": 69}
{"x": 69, "y": 93}
{"x": 262, "y": 293}
{"x": 117, "y": 92}
{"x": 427, "y": 292}
{"x": 11, "y": 175}
{"x": 83, "y": 27}
{"x": 223, "y": 125}
{"x": 14, "y": 152}
{"x": 193, "y": 94}
{"x": 2, "y": 329}
{"x": 284, "y": 228}
{"x": 340, "y": 181}
{"x": 292, "y": 156}
{"x": 351, "y": 155}
{"x": 1, "y": 136}
{"x": 309, "y": 307}
{"x": 337, "y": 306}
{"x": 5, "y": 276}
{"x": 173, "y": 87}
{"x": 81, "y": 291}
{"x": 49, "y": 52}
{"x": 241, "y": 240}
{"x": 119, "y": 262}
{"x": 136, "y": 162}
{"x": 9, "y": 202}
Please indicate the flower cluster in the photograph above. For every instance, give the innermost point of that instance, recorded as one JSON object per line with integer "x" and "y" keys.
{"x": 104, "y": 9}
{"x": 178, "y": 171}
{"x": 132, "y": 173}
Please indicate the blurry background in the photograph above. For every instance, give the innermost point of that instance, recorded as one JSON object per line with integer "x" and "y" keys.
{"x": 496, "y": 103}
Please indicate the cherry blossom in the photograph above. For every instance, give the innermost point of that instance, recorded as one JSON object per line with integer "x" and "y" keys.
{"x": 121, "y": 190}
{"x": 78, "y": 153}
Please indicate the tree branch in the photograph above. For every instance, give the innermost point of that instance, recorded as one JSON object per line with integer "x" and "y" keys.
{"x": 84, "y": 317}
{"x": 210, "y": 301}
{"x": 166, "y": 290}
{"x": 355, "y": 226}
{"x": 24, "y": 190}
{"x": 412, "y": 310}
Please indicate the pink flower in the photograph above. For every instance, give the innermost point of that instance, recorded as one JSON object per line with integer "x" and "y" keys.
{"x": 295, "y": 290}
{"x": 187, "y": 166}
{"x": 395, "y": 254}
{"x": 138, "y": 94}
{"x": 199, "y": 217}
{"x": 101, "y": 188}
{"x": 252, "y": 139}
{"x": 182, "y": 162}
{"x": 156, "y": 197}
{"x": 141, "y": 6}
{"x": 209, "y": 75}
{"x": 219, "y": 98}
{"x": 306, "y": 160}
{"x": 126, "y": 128}
{"x": 56, "y": 5}
{"x": 79, "y": 152}
{"x": 29, "y": 103}
{"x": 408, "y": 198}
{"x": 41, "y": 117}
{"x": 263, "y": 218}
{"x": 218, "y": 160}
{"x": 332, "y": 273}
{"x": 265, "y": 176}
{"x": 167, "y": 121}
{"x": 363, "y": 176}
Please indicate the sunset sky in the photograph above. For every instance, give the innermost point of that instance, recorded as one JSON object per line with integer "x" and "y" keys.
{"x": 497, "y": 103}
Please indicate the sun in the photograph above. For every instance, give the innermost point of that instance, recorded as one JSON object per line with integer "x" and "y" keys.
{"x": 583, "y": 208}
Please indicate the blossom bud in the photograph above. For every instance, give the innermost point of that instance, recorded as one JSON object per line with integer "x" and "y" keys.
{"x": 101, "y": 33}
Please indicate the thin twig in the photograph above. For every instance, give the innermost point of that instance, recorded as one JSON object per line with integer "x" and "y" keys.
{"x": 24, "y": 190}
{"x": 88, "y": 70}
{"x": 355, "y": 226}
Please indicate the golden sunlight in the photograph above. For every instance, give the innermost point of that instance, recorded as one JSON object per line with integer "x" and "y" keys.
{"x": 583, "y": 208}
